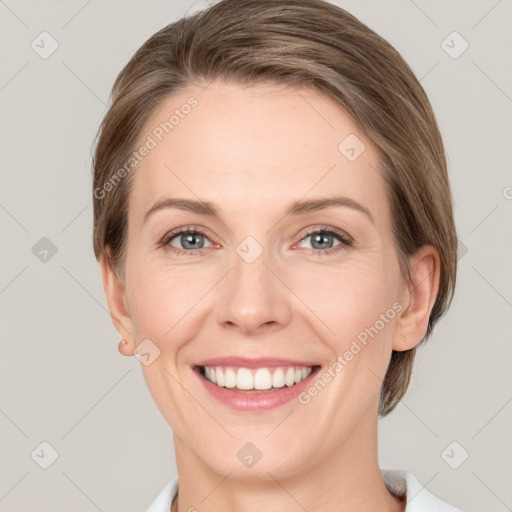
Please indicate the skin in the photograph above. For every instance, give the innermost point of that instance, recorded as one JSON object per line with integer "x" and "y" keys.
{"x": 252, "y": 151}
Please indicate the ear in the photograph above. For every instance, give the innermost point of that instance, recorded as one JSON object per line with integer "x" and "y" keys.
{"x": 116, "y": 299}
{"x": 418, "y": 298}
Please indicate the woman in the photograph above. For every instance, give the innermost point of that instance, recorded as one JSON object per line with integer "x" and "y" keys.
{"x": 273, "y": 220}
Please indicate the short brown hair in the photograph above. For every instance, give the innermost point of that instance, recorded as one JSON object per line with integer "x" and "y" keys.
{"x": 308, "y": 43}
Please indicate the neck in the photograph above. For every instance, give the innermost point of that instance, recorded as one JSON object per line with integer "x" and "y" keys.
{"x": 348, "y": 476}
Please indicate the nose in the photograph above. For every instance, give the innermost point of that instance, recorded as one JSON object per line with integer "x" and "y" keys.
{"x": 255, "y": 299}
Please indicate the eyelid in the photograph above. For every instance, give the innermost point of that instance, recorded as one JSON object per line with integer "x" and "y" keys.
{"x": 164, "y": 241}
{"x": 312, "y": 230}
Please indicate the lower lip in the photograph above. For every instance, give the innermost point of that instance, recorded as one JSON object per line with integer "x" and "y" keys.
{"x": 247, "y": 401}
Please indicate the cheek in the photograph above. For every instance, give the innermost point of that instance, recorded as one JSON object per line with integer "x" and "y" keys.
{"x": 351, "y": 298}
{"x": 160, "y": 301}
{"x": 162, "y": 293}
{"x": 358, "y": 308}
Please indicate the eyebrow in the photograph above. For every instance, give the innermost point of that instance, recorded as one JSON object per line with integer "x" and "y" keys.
{"x": 295, "y": 209}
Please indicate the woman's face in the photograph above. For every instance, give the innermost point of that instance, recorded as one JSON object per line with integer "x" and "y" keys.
{"x": 265, "y": 285}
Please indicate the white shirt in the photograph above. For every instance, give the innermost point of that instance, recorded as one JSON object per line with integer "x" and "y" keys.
{"x": 399, "y": 483}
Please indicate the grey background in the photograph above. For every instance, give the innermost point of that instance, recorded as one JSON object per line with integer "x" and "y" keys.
{"x": 61, "y": 378}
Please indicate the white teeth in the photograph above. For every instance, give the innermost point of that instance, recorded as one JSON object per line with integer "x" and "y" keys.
{"x": 220, "y": 377}
{"x": 230, "y": 378}
{"x": 260, "y": 379}
{"x": 278, "y": 378}
{"x": 289, "y": 378}
{"x": 244, "y": 379}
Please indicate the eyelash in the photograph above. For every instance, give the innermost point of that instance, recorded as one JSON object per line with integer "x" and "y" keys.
{"x": 346, "y": 240}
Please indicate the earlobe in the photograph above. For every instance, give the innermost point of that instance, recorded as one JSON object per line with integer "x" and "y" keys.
{"x": 116, "y": 300}
{"x": 419, "y": 298}
{"x": 125, "y": 348}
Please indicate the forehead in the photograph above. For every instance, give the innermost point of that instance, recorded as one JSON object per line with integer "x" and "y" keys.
{"x": 270, "y": 142}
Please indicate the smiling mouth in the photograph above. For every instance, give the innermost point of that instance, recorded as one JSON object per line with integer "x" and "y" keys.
{"x": 256, "y": 380}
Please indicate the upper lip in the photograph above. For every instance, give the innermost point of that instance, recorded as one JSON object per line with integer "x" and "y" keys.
{"x": 259, "y": 362}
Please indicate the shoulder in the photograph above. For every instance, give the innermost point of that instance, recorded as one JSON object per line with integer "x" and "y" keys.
{"x": 404, "y": 484}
